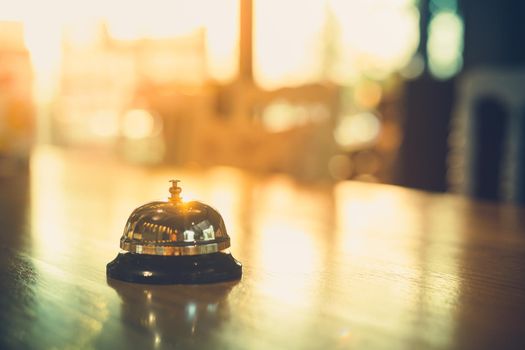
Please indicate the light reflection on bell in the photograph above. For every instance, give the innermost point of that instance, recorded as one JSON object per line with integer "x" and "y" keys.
{"x": 174, "y": 242}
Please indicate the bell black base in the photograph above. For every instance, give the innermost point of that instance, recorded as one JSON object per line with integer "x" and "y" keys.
{"x": 186, "y": 269}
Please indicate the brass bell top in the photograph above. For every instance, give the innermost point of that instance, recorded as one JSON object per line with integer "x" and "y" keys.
{"x": 175, "y": 227}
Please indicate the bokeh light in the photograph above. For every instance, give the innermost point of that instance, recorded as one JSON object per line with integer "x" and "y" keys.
{"x": 445, "y": 44}
{"x": 281, "y": 116}
{"x": 376, "y": 37}
{"x": 138, "y": 124}
{"x": 104, "y": 124}
{"x": 356, "y": 130}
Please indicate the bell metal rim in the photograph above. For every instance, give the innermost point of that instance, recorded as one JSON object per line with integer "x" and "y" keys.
{"x": 172, "y": 250}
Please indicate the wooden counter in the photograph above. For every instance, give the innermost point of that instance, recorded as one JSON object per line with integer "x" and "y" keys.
{"x": 350, "y": 266}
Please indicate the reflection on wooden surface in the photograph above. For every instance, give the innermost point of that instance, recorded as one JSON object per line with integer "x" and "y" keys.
{"x": 345, "y": 266}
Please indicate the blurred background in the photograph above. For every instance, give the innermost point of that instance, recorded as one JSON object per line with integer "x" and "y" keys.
{"x": 426, "y": 94}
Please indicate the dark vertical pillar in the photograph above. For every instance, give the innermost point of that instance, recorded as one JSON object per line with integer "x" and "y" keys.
{"x": 427, "y": 108}
{"x": 489, "y": 126}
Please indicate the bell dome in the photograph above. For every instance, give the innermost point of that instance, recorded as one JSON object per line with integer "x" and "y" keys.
{"x": 175, "y": 228}
{"x": 172, "y": 242}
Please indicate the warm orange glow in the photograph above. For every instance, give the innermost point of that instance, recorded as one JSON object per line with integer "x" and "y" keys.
{"x": 357, "y": 130}
{"x": 47, "y": 201}
{"x": 382, "y": 256}
{"x": 138, "y": 124}
{"x": 297, "y": 42}
{"x": 377, "y": 37}
{"x": 360, "y": 210}
{"x": 159, "y": 81}
{"x": 290, "y": 49}
{"x": 340, "y": 167}
{"x": 286, "y": 44}
{"x": 367, "y": 94}
{"x": 45, "y": 23}
{"x": 367, "y": 36}
{"x": 287, "y": 250}
{"x": 105, "y": 123}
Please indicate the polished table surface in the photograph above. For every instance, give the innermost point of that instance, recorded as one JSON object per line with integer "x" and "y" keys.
{"x": 345, "y": 266}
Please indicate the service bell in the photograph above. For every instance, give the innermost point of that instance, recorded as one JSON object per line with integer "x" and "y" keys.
{"x": 174, "y": 242}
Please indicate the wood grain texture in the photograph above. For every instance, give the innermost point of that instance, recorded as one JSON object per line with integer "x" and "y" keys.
{"x": 350, "y": 266}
